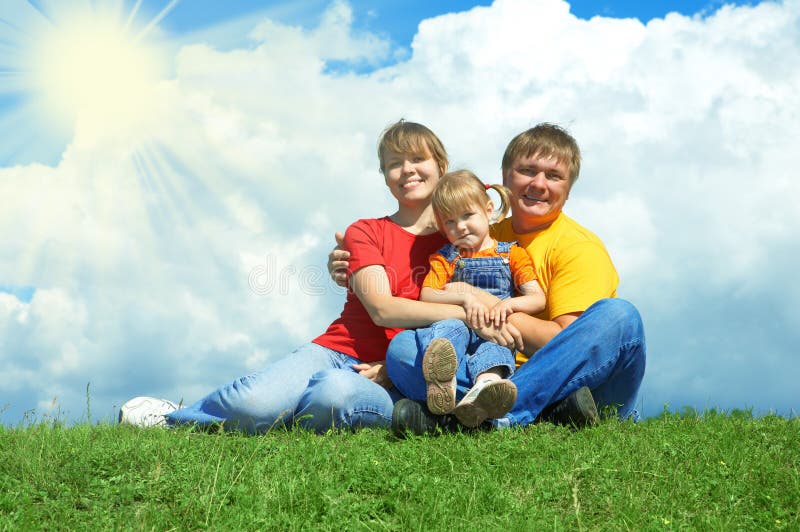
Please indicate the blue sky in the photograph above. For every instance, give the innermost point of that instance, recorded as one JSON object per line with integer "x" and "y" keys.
{"x": 175, "y": 181}
{"x": 400, "y": 19}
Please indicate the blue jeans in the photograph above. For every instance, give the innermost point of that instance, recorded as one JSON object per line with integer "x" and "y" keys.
{"x": 314, "y": 386}
{"x": 475, "y": 356}
{"x": 603, "y": 349}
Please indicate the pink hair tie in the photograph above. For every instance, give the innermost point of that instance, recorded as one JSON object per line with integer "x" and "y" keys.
{"x": 487, "y": 186}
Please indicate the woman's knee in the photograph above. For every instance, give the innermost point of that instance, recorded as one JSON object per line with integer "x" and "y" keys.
{"x": 330, "y": 387}
{"x": 402, "y": 351}
{"x": 337, "y": 398}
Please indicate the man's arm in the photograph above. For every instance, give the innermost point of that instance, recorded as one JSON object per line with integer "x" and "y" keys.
{"x": 338, "y": 261}
{"x": 536, "y": 332}
{"x": 584, "y": 275}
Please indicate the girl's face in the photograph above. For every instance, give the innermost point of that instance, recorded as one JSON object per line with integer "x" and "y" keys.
{"x": 468, "y": 229}
{"x": 411, "y": 178}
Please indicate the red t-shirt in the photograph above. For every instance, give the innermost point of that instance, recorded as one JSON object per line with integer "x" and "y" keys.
{"x": 379, "y": 241}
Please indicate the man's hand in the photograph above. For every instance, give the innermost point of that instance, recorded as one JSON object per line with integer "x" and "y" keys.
{"x": 376, "y": 372}
{"x": 506, "y": 335}
{"x": 338, "y": 261}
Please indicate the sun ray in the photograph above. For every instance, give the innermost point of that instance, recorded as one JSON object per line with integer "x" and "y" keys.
{"x": 131, "y": 16}
{"x": 38, "y": 6}
{"x": 164, "y": 12}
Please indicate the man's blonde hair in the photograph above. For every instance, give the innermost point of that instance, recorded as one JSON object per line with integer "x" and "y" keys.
{"x": 545, "y": 140}
{"x": 460, "y": 190}
{"x": 412, "y": 138}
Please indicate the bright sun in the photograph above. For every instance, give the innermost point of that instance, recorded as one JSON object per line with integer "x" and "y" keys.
{"x": 90, "y": 68}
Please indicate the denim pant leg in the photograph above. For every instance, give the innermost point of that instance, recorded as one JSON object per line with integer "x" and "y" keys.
{"x": 255, "y": 403}
{"x": 341, "y": 398}
{"x": 603, "y": 349}
{"x": 404, "y": 357}
{"x": 484, "y": 355}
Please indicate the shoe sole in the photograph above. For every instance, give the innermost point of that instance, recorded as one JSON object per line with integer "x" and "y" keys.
{"x": 439, "y": 365}
{"x": 492, "y": 402}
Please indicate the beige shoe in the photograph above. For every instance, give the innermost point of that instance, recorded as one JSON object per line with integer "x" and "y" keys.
{"x": 439, "y": 365}
{"x": 488, "y": 399}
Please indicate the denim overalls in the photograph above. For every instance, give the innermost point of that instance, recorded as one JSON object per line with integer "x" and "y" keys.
{"x": 492, "y": 274}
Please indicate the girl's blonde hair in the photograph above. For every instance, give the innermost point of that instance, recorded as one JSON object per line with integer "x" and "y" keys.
{"x": 412, "y": 138}
{"x": 461, "y": 190}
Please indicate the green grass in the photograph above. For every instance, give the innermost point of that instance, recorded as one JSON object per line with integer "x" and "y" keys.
{"x": 689, "y": 471}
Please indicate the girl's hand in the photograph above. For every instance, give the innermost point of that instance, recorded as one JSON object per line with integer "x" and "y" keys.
{"x": 376, "y": 372}
{"x": 499, "y": 313}
{"x": 477, "y": 312}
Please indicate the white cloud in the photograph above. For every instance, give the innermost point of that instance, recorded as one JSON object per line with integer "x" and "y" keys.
{"x": 191, "y": 249}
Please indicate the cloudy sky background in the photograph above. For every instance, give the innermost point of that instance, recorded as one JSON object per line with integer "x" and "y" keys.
{"x": 165, "y": 227}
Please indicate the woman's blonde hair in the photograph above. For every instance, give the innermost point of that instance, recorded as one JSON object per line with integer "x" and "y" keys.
{"x": 461, "y": 190}
{"x": 412, "y": 138}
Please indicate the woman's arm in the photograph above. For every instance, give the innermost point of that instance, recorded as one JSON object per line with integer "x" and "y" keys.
{"x": 477, "y": 312}
{"x": 371, "y": 285}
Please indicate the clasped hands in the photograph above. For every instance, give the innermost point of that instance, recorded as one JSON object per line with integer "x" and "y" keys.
{"x": 489, "y": 323}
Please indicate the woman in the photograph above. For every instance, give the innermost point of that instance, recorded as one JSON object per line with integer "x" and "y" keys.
{"x": 339, "y": 379}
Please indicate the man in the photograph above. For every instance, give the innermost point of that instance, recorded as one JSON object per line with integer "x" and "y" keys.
{"x": 587, "y": 347}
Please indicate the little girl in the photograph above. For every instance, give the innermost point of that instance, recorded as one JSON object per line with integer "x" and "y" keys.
{"x": 463, "y": 211}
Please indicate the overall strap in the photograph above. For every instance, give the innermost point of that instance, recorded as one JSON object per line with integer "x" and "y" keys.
{"x": 449, "y": 252}
{"x": 504, "y": 249}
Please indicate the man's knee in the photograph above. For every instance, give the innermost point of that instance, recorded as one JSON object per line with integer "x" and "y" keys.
{"x": 620, "y": 313}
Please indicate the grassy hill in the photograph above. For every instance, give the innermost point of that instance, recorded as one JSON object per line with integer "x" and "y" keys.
{"x": 689, "y": 471}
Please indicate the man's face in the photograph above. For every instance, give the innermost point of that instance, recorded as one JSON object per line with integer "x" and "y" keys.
{"x": 539, "y": 188}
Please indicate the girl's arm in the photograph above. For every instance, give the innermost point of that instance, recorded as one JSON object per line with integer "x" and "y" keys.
{"x": 371, "y": 286}
{"x": 532, "y": 301}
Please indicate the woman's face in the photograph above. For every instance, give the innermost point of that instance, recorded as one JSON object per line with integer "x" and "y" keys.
{"x": 411, "y": 178}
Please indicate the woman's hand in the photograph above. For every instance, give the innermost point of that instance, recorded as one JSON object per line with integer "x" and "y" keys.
{"x": 506, "y": 335}
{"x": 376, "y": 372}
{"x": 338, "y": 261}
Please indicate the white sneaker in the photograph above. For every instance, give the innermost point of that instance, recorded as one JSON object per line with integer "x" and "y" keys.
{"x": 488, "y": 399}
{"x": 146, "y": 412}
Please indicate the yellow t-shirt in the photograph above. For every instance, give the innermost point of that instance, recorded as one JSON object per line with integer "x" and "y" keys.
{"x": 572, "y": 265}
